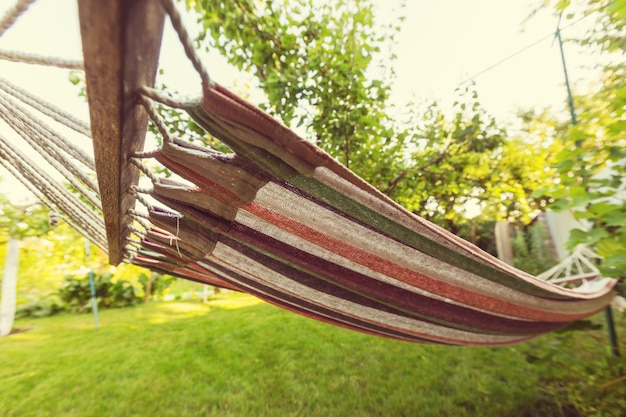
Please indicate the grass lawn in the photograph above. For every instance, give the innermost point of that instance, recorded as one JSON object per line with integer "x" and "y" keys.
{"x": 236, "y": 356}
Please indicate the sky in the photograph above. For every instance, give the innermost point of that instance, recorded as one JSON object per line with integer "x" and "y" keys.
{"x": 442, "y": 44}
{"x": 447, "y": 42}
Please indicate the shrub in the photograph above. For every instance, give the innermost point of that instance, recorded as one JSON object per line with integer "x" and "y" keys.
{"x": 43, "y": 307}
{"x": 591, "y": 385}
{"x": 76, "y": 293}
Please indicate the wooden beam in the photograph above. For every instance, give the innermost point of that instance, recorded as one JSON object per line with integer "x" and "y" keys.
{"x": 121, "y": 46}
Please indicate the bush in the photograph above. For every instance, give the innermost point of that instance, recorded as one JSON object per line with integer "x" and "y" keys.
{"x": 76, "y": 293}
{"x": 592, "y": 385}
{"x": 43, "y": 307}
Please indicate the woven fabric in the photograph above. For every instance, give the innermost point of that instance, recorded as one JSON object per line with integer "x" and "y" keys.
{"x": 282, "y": 220}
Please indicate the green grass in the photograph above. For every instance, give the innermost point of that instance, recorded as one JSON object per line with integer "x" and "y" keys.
{"x": 236, "y": 356}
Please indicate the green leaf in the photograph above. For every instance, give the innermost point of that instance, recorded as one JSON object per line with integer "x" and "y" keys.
{"x": 74, "y": 78}
{"x": 615, "y": 265}
{"x": 602, "y": 208}
{"x": 560, "y": 205}
{"x": 590, "y": 237}
{"x": 608, "y": 247}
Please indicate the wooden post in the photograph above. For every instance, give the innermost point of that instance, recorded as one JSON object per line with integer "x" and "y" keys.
{"x": 504, "y": 245}
{"x": 121, "y": 45}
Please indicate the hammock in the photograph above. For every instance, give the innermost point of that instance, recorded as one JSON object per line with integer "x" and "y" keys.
{"x": 280, "y": 219}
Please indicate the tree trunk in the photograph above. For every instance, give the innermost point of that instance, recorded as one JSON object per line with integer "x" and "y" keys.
{"x": 9, "y": 287}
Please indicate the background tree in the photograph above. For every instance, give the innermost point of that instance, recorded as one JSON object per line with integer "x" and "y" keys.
{"x": 592, "y": 162}
{"x": 315, "y": 63}
{"x": 465, "y": 170}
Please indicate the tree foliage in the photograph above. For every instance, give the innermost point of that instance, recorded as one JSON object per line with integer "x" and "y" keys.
{"x": 592, "y": 162}
{"x": 314, "y": 62}
{"x": 21, "y": 221}
{"x": 465, "y": 168}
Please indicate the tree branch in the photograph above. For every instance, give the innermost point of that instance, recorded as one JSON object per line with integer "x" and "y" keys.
{"x": 393, "y": 184}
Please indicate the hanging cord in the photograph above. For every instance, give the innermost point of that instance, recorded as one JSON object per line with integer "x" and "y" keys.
{"x": 45, "y": 107}
{"x": 140, "y": 218}
{"x": 68, "y": 202}
{"x": 50, "y": 136}
{"x": 160, "y": 97}
{"x": 43, "y": 137}
{"x": 133, "y": 245}
{"x": 138, "y": 194}
{"x": 97, "y": 239}
{"x": 154, "y": 116}
{"x": 144, "y": 170}
{"x": 67, "y": 174}
{"x": 75, "y": 218}
{"x": 48, "y": 61}
{"x": 41, "y": 142}
{"x": 186, "y": 41}
{"x": 145, "y": 154}
{"x": 19, "y": 157}
{"x": 131, "y": 250}
{"x": 11, "y": 16}
{"x": 47, "y": 189}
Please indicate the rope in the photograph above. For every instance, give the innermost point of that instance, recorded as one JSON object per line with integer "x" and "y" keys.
{"x": 97, "y": 240}
{"x": 145, "y": 154}
{"x": 60, "y": 167}
{"x": 45, "y": 107}
{"x": 133, "y": 244}
{"x": 46, "y": 134}
{"x": 40, "y": 139}
{"x": 49, "y": 61}
{"x": 54, "y": 191}
{"x": 65, "y": 201}
{"x": 82, "y": 219}
{"x": 161, "y": 97}
{"x": 137, "y": 193}
{"x": 154, "y": 116}
{"x": 186, "y": 41}
{"x": 577, "y": 265}
{"x": 144, "y": 170}
{"x": 13, "y": 14}
{"x": 131, "y": 249}
{"x": 140, "y": 218}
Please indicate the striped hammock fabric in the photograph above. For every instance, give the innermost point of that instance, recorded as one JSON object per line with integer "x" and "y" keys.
{"x": 282, "y": 220}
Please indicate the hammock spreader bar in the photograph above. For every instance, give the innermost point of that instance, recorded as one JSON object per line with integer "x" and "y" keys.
{"x": 281, "y": 219}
